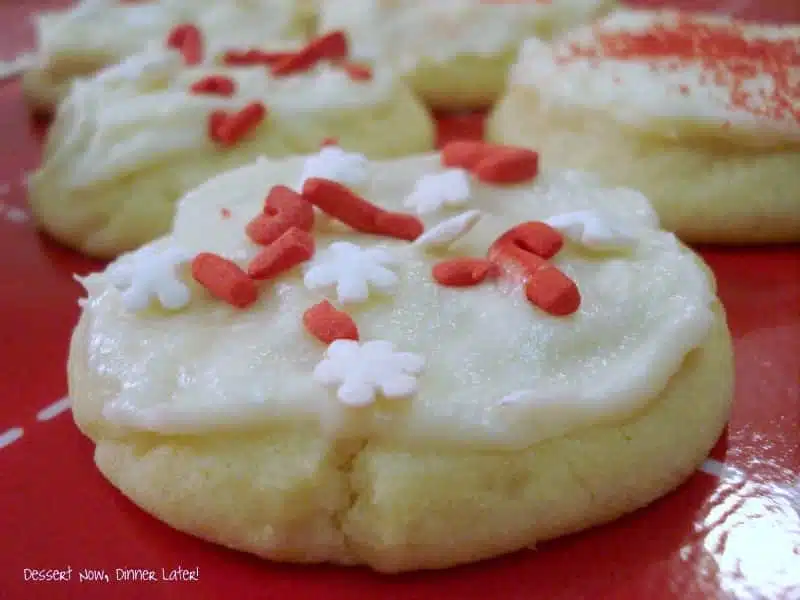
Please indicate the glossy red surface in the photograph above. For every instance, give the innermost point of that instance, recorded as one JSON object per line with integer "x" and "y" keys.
{"x": 735, "y": 536}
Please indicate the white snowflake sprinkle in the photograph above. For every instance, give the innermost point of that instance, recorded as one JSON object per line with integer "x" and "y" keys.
{"x": 448, "y": 232}
{"x": 151, "y": 273}
{"x": 334, "y": 164}
{"x": 353, "y": 270}
{"x": 361, "y": 371}
{"x": 592, "y": 230}
{"x": 433, "y": 191}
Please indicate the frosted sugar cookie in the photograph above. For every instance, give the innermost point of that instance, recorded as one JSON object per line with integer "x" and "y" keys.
{"x": 127, "y": 143}
{"x": 98, "y": 33}
{"x": 700, "y": 113}
{"x": 462, "y": 358}
{"x": 455, "y": 53}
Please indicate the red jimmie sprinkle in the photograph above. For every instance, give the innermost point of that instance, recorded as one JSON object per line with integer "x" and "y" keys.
{"x": 218, "y": 85}
{"x": 755, "y": 72}
{"x": 253, "y": 57}
{"x": 329, "y": 141}
{"x": 506, "y": 165}
{"x": 462, "y": 272}
{"x": 357, "y": 72}
{"x": 283, "y": 209}
{"x": 215, "y": 121}
{"x": 348, "y": 207}
{"x": 398, "y": 225}
{"x": 463, "y": 154}
{"x": 553, "y": 292}
{"x": 228, "y": 129}
{"x": 533, "y": 237}
{"x": 527, "y": 247}
{"x": 331, "y": 46}
{"x": 327, "y": 324}
{"x": 492, "y": 163}
{"x": 225, "y": 213}
{"x": 292, "y": 248}
{"x": 224, "y": 279}
{"x": 188, "y": 40}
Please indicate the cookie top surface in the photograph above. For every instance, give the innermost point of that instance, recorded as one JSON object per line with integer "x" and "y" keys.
{"x": 98, "y": 24}
{"x": 151, "y": 107}
{"x": 670, "y": 71}
{"x": 409, "y": 30}
{"x": 479, "y": 365}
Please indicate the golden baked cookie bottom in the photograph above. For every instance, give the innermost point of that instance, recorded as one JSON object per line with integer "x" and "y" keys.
{"x": 291, "y": 495}
{"x": 704, "y": 189}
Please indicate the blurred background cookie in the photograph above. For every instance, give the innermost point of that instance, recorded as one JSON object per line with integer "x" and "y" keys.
{"x": 700, "y": 113}
{"x": 454, "y": 53}
{"x": 97, "y": 33}
{"x": 127, "y": 143}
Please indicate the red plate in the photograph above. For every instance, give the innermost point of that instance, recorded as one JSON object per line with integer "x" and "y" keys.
{"x": 731, "y": 533}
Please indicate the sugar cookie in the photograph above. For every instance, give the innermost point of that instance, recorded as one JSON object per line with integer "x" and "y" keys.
{"x": 127, "y": 143}
{"x": 700, "y": 113}
{"x": 98, "y": 33}
{"x": 418, "y": 380}
{"x": 455, "y": 53}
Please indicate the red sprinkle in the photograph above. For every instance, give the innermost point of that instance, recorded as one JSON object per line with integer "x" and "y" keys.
{"x": 331, "y": 46}
{"x": 507, "y": 165}
{"x": 283, "y": 209}
{"x": 464, "y": 154}
{"x": 292, "y": 248}
{"x": 188, "y": 40}
{"x": 534, "y": 237}
{"x": 348, "y": 207}
{"x": 340, "y": 203}
{"x": 327, "y": 324}
{"x": 253, "y": 56}
{"x": 462, "y": 272}
{"x": 357, "y": 72}
{"x": 224, "y": 279}
{"x": 527, "y": 247}
{"x": 225, "y": 213}
{"x": 219, "y": 85}
{"x": 215, "y": 121}
{"x": 553, "y": 292}
{"x": 329, "y": 141}
{"x": 232, "y": 128}
{"x": 398, "y": 225}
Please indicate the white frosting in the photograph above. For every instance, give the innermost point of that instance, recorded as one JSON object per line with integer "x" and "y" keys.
{"x": 213, "y": 366}
{"x": 141, "y": 112}
{"x": 117, "y": 30}
{"x": 646, "y": 91}
{"x": 409, "y": 31}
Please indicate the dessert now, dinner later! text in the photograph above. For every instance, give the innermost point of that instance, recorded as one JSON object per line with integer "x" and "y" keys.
{"x": 123, "y": 574}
